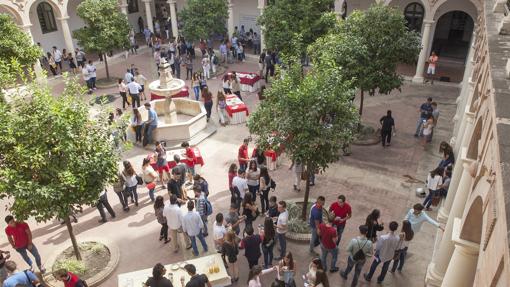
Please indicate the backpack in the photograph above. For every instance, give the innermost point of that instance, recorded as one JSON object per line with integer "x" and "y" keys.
{"x": 359, "y": 255}
{"x": 208, "y": 207}
{"x": 215, "y": 60}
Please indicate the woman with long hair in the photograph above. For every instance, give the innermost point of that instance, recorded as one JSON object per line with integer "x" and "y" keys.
{"x": 137, "y": 123}
{"x": 265, "y": 186}
{"x": 159, "y": 205}
{"x": 229, "y": 252}
{"x": 195, "y": 83}
{"x": 158, "y": 277}
{"x": 149, "y": 177}
{"x": 373, "y": 224}
{"x": 288, "y": 269}
{"x": 434, "y": 181}
{"x": 406, "y": 236}
{"x": 268, "y": 242}
{"x": 249, "y": 210}
{"x": 130, "y": 184}
{"x": 226, "y": 85}
{"x": 428, "y": 126}
{"x": 221, "y": 106}
{"x": 254, "y": 275}
{"x": 253, "y": 178}
{"x": 311, "y": 276}
{"x": 208, "y": 102}
{"x": 321, "y": 279}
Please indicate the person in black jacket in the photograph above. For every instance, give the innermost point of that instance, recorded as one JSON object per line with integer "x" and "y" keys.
{"x": 387, "y": 127}
{"x": 373, "y": 224}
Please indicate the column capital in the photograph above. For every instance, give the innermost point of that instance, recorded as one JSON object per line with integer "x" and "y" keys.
{"x": 428, "y": 22}
{"x": 171, "y": 2}
{"x": 146, "y": 1}
{"x": 464, "y": 246}
{"x": 63, "y": 18}
{"x": 261, "y": 4}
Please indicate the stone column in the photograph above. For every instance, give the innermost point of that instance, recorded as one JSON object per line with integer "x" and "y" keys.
{"x": 37, "y": 65}
{"x": 425, "y": 39}
{"x": 173, "y": 18}
{"x": 148, "y": 14}
{"x": 462, "y": 265}
{"x": 123, "y": 6}
{"x": 467, "y": 121}
{"x": 230, "y": 25}
{"x": 437, "y": 268}
{"x": 261, "y": 6}
{"x": 68, "y": 38}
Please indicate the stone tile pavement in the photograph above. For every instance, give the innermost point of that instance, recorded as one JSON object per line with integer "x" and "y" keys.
{"x": 371, "y": 178}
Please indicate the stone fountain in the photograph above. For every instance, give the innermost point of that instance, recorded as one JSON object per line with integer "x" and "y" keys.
{"x": 180, "y": 119}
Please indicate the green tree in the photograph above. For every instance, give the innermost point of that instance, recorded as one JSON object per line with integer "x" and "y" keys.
{"x": 311, "y": 115}
{"x": 369, "y": 45}
{"x": 204, "y": 18}
{"x": 55, "y": 158}
{"x": 106, "y": 28}
{"x": 284, "y": 21}
{"x": 16, "y": 52}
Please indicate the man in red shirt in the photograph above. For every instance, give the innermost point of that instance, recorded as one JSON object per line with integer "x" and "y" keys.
{"x": 242, "y": 155}
{"x": 328, "y": 238}
{"x": 190, "y": 157}
{"x": 20, "y": 237}
{"x": 342, "y": 212}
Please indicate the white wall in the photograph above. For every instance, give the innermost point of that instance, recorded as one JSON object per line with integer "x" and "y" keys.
{"x": 75, "y": 22}
{"x": 246, "y": 13}
{"x": 133, "y": 18}
{"x": 47, "y": 40}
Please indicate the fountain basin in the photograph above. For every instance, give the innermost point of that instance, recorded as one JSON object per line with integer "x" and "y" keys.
{"x": 168, "y": 90}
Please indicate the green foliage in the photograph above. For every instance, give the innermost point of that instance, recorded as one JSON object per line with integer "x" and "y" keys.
{"x": 106, "y": 27}
{"x": 54, "y": 156}
{"x": 71, "y": 265}
{"x": 16, "y": 44}
{"x": 284, "y": 21}
{"x": 296, "y": 223}
{"x": 298, "y": 113}
{"x": 369, "y": 45}
{"x": 204, "y": 18}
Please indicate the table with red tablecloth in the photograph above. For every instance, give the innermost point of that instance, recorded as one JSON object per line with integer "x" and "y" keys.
{"x": 236, "y": 109}
{"x": 182, "y": 154}
{"x": 184, "y": 93}
{"x": 249, "y": 82}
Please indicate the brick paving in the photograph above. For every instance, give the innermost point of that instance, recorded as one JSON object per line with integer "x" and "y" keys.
{"x": 371, "y": 178}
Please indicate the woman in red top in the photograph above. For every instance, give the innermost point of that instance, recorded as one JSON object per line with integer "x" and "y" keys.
{"x": 190, "y": 157}
{"x": 232, "y": 172}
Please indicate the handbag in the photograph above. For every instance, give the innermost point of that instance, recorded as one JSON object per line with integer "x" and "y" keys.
{"x": 139, "y": 179}
{"x": 151, "y": 186}
{"x": 272, "y": 184}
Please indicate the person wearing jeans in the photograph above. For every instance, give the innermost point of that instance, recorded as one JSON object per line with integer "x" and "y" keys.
{"x": 201, "y": 207}
{"x": 355, "y": 245}
{"x": 20, "y": 237}
{"x": 328, "y": 239}
{"x": 102, "y": 204}
{"x": 150, "y": 124}
{"x": 192, "y": 225}
{"x": 315, "y": 220}
{"x": 425, "y": 111}
{"x": 384, "y": 252}
{"x": 342, "y": 211}
{"x": 281, "y": 228}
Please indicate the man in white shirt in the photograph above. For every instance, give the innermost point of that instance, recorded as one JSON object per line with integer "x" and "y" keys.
{"x": 128, "y": 76}
{"x": 281, "y": 228}
{"x": 173, "y": 215}
{"x": 57, "y": 56}
{"x": 416, "y": 216}
{"x": 91, "y": 69}
{"x": 219, "y": 231}
{"x": 241, "y": 183}
{"x": 384, "y": 252}
{"x": 134, "y": 90}
{"x": 206, "y": 66}
{"x": 192, "y": 224}
{"x": 141, "y": 79}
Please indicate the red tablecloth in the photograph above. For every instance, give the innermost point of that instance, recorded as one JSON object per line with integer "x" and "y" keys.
{"x": 247, "y": 78}
{"x": 235, "y": 105}
{"x": 181, "y": 153}
{"x": 184, "y": 93}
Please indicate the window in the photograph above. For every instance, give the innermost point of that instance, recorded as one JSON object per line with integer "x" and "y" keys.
{"x": 414, "y": 13}
{"x": 46, "y": 18}
{"x": 132, "y": 6}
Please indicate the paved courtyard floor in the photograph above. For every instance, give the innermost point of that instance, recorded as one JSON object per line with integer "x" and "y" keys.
{"x": 372, "y": 177}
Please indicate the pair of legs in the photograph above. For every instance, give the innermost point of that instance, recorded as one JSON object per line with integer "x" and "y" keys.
{"x": 233, "y": 270}
{"x": 358, "y": 266}
{"x": 163, "y": 233}
{"x": 252, "y": 262}
{"x": 130, "y": 192}
{"x": 102, "y": 204}
{"x": 419, "y": 124}
{"x": 204, "y": 220}
{"x": 23, "y": 252}
{"x": 253, "y": 190}
{"x": 297, "y": 181}
{"x": 189, "y": 73}
{"x": 399, "y": 262}
{"x": 313, "y": 239}
{"x": 200, "y": 237}
{"x": 268, "y": 255}
{"x": 428, "y": 200}
{"x": 283, "y": 244}
{"x": 324, "y": 258}
{"x": 374, "y": 265}
{"x": 207, "y": 73}
{"x": 223, "y": 116}
{"x": 138, "y": 133}
{"x": 175, "y": 242}
{"x": 135, "y": 100}
{"x": 339, "y": 231}
{"x": 148, "y": 134}
{"x": 386, "y": 137}
{"x": 151, "y": 194}
{"x": 125, "y": 102}
{"x": 208, "y": 108}
{"x": 269, "y": 72}
{"x": 264, "y": 199}
{"x": 196, "y": 91}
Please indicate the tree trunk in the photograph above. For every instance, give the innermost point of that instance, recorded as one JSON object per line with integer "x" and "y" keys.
{"x": 67, "y": 220}
{"x": 105, "y": 57}
{"x": 361, "y": 103}
{"x": 307, "y": 194}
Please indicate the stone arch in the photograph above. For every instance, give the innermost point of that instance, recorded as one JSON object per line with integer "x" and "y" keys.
{"x": 402, "y": 4}
{"x": 472, "y": 225}
{"x": 470, "y": 7}
{"x": 13, "y": 12}
{"x": 472, "y": 151}
{"x": 55, "y": 4}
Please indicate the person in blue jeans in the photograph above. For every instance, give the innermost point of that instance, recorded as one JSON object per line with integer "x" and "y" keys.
{"x": 425, "y": 111}
{"x": 384, "y": 252}
{"x": 192, "y": 225}
{"x": 150, "y": 124}
{"x": 315, "y": 220}
{"x": 406, "y": 235}
{"x": 328, "y": 237}
{"x": 356, "y": 259}
{"x": 281, "y": 227}
{"x": 20, "y": 237}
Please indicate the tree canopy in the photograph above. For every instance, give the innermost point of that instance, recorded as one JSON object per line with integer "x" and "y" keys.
{"x": 55, "y": 158}
{"x": 369, "y": 45}
{"x": 204, "y": 18}
{"x": 284, "y": 21}
{"x": 106, "y": 27}
{"x": 311, "y": 115}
